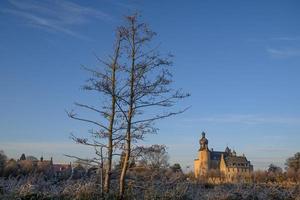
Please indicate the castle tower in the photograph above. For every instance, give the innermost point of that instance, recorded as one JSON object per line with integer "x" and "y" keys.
{"x": 201, "y": 165}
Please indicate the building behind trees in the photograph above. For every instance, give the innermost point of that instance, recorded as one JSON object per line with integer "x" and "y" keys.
{"x": 227, "y": 163}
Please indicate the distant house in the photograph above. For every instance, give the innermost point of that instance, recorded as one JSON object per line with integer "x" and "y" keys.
{"x": 61, "y": 167}
{"x": 227, "y": 162}
{"x": 62, "y": 170}
{"x": 56, "y": 170}
{"x": 47, "y": 166}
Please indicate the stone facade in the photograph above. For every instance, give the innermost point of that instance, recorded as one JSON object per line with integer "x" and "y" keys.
{"x": 227, "y": 163}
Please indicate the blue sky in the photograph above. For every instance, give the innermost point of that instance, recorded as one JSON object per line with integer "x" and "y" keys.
{"x": 240, "y": 60}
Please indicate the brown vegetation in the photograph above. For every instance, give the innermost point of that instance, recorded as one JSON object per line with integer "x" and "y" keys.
{"x": 143, "y": 181}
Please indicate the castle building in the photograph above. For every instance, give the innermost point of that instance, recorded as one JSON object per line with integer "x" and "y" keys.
{"x": 227, "y": 162}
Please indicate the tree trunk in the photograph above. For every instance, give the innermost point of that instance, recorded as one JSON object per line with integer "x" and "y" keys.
{"x": 128, "y": 141}
{"x": 130, "y": 115}
{"x": 125, "y": 167}
{"x": 112, "y": 120}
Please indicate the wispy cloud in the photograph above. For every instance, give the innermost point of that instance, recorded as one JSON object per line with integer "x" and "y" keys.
{"x": 282, "y": 46}
{"x": 271, "y": 149}
{"x": 248, "y": 119}
{"x": 283, "y": 53}
{"x": 58, "y": 16}
{"x": 286, "y": 38}
{"x": 275, "y": 39}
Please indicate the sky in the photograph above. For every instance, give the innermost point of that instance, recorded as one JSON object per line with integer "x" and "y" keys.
{"x": 240, "y": 60}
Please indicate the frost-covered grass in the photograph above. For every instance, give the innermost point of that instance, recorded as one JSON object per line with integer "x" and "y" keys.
{"x": 38, "y": 188}
{"x": 155, "y": 187}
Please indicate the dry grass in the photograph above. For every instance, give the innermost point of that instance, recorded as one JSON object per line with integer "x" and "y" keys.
{"x": 141, "y": 184}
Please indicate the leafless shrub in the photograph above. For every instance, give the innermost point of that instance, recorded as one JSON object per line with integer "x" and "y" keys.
{"x": 143, "y": 184}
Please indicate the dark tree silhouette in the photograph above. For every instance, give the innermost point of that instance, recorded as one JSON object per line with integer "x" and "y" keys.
{"x": 293, "y": 162}
{"x": 176, "y": 167}
{"x": 3, "y": 159}
{"x": 274, "y": 169}
{"x": 23, "y": 157}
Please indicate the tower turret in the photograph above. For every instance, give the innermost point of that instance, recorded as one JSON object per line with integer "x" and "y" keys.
{"x": 203, "y": 142}
{"x": 234, "y": 153}
{"x": 202, "y": 164}
{"x": 227, "y": 150}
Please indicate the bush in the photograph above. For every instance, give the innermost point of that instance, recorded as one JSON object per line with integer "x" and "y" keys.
{"x": 3, "y": 159}
{"x": 25, "y": 167}
{"x": 10, "y": 168}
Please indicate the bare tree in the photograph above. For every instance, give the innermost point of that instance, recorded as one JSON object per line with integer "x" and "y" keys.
{"x": 293, "y": 162}
{"x": 148, "y": 88}
{"x": 154, "y": 157}
{"x": 135, "y": 92}
{"x": 103, "y": 82}
{"x": 274, "y": 169}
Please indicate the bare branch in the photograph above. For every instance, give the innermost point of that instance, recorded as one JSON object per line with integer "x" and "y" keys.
{"x": 85, "y": 160}
{"x": 73, "y": 116}
{"x": 160, "y": 116}
{"x": 105, "y": 114}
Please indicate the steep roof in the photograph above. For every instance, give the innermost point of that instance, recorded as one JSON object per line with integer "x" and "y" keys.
{"x": 216, "y": 155}
{"x": 236, "y": 161}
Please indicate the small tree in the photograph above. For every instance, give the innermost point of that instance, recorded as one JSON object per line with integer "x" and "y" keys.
{"x": 3, "y": 159}
{"x": 293, "y": 162}
{"x": 275, "y": 173}
{"x": 155, "y": 157}
{"x": 274, "y": 169}
{"x": 23, "y": 157}
{"x": 176, "y": 167}
{"x": 11, "y": 168}
{"x": 26, "y": 167}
